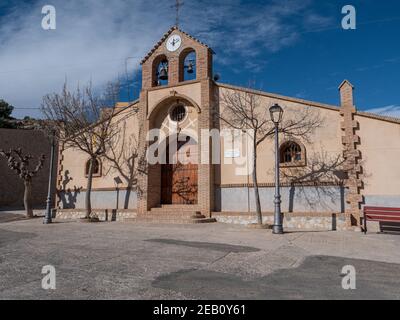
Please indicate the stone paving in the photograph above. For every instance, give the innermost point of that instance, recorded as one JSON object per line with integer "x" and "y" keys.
{"x": 114, "y": 260}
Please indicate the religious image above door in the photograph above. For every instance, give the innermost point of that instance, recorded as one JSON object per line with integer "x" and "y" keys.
{"x": 179, "y": 178}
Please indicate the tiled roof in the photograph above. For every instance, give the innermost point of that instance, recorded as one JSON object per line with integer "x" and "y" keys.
{"x": 165, "y": 36}
{"x": 378, "y": 117}
{"x": 311, "y": 103}
{"x": 280, "y": 97}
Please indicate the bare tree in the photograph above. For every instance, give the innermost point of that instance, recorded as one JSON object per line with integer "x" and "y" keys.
{"x": 82, "y": 120}
{"x": 245, "y": 111}
{"x": 20, "y": 163}
{"x": 324, "y": 171}
{"x": 124, "y": 157}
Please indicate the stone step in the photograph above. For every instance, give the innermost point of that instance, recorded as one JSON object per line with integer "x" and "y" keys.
{"x": 179, "y": 206}
{"x": 149, "y": 219}
{"x": 175, "y": 209}
{"x": 174, "y": 215}
{"x": 187, "y": 214}
{"x": 179, "y": 212}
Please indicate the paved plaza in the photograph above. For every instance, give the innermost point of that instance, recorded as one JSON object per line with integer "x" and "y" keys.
{"x": 214, "y": 261}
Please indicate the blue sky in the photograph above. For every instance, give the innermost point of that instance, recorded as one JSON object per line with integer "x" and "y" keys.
{"x": 290, "y": 47}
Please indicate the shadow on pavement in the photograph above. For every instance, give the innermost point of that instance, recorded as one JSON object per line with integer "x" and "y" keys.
{"x": 9, "y": 217}
{"x": 317, "y": 278}
{"x": 206, "y": 245}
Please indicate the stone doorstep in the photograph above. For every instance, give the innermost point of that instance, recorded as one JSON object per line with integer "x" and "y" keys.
{"x": 173, "y": 217}
{"x": 170, "y": 220}
{"x": 179, "y": 206}
{"x": 173, "y": 208}
{"x": 177, "y": 213}
{"x": 188, "y": 214}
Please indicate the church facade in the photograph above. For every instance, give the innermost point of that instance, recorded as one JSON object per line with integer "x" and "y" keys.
{"x": 187, "y": 167}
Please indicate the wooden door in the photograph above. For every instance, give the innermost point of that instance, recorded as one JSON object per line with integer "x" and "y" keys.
{"x": 179, "y": 180}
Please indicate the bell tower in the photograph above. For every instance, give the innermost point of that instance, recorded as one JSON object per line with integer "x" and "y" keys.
{"x": 166, "y": 63}
{"x": 179, "y": 68}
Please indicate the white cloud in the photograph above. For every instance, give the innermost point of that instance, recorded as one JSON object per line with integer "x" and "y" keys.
{"x": 94, "y": 37}
{"x": 391, "y": 111}
{"x": 91, "y": 42}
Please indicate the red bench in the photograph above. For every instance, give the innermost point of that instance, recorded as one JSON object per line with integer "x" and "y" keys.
{"x": 380, "y": 214}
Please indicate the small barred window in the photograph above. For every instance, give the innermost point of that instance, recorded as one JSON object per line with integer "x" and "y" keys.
{"x": 96, "y": 168}
{"x": 291, "y": 153}
{"x": 178, "y": 113}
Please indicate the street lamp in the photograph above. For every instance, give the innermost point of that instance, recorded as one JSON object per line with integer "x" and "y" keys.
{"x": 48, "y": 214}
{"x": 276, "y": 113}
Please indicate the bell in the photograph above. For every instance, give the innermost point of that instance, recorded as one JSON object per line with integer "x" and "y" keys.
{"x": 190, "y": 68}
{"x": 163, "y": 74}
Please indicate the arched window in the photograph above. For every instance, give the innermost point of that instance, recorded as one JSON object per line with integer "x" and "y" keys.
{"x": 96, "y": 168}
{"x": 187, "y": 65}
{"x": 292, "y": 154}
{"x": 160, "y": 71}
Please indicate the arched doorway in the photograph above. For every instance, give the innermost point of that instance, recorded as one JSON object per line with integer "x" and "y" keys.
{"x": 179, "y": 177}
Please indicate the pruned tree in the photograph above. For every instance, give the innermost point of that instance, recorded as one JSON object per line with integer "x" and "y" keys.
{"x": 245, "y": 111}
{"x": 21, "y": 165}
{"x": 83, "y": 121}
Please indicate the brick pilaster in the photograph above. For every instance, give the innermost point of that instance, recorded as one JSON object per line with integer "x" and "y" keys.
{"x": 351, "y": 154}
{"x": 60, "y": 168}
{"x": 143, "y": 184}
{"x": 206, "y": 171}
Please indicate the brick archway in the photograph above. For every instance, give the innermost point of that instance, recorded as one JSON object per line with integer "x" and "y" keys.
{"x": 169, "y": 100}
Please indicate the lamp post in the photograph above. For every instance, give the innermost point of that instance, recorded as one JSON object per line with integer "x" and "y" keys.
{"x": 276, "y": 113}
{"x": 247, "y": 171}
{"x": 48, "y": 215}
{"x": 117, "y": 182}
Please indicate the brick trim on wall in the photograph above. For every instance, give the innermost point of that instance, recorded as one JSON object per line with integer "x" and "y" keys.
{"x": 272, "y": 185}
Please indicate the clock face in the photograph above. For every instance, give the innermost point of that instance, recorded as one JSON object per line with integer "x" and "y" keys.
{"x": 174, "y": 42}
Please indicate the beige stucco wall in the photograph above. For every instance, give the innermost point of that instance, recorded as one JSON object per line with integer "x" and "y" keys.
{"x": 74, "y": 160}
{"x": 326, "y": 139}
{"x": 380, "y": 149}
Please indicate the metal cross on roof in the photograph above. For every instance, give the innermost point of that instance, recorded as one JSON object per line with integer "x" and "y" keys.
{"x": 178, "y": 5}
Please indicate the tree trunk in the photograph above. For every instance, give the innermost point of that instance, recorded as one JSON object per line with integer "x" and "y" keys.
{"x": 28, "y": 198}
{"x": 128, "y": 195}
{"x": 130, "y": 184}
{"x": 88, "y": 202}
{"x": 255, "y": 182}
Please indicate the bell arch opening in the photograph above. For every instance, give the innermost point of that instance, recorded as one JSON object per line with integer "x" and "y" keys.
{"x": 160, "y": 74}
{"x": 187, "y": 65}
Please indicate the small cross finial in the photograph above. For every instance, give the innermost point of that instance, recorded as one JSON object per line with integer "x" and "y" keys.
{"x": 178, "y": 5}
